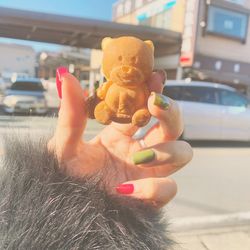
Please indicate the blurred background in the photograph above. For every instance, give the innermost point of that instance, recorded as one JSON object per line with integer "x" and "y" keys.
{"x": 204, "y": 45}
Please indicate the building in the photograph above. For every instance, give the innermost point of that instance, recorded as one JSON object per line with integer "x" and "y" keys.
{"x": 216, "y": 36}
{"x": 164, "y": 14}
{"x": 76, "y": 59}
{"x": 167, "y": 14}
{"x": 17, "y": 59}
{"x": 218, "y": 47}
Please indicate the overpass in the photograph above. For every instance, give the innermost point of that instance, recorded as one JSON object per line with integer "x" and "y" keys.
{"x": 79, "y": 32}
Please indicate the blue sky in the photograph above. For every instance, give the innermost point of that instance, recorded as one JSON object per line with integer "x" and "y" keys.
{"x": 96, "y": 9}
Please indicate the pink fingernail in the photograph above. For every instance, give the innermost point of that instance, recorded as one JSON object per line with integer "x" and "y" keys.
{"x": 125, "y": 189}
{"x": 59, "y": 73}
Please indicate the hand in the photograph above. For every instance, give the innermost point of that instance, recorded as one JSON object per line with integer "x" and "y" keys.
{"x": 142, "y": 175}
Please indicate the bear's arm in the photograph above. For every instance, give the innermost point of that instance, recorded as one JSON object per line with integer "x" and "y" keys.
{"x": 102, "y": 91}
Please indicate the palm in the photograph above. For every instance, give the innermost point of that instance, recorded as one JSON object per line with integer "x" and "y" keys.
{"x": 115, "y": 147}
{"x": 110, "y": 151}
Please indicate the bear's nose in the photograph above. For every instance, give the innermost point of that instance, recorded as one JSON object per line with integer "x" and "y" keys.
{"x": 126, "y": 69}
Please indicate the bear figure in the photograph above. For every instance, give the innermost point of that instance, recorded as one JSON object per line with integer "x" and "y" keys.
{"x": 127, "y": 65}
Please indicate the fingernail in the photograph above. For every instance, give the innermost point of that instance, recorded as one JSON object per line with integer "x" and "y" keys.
{"x": 125, "y": 189}
{"x": 144, "y": 156}
{"x": 163, "y": 74}
{"x": 59, "y": 73}
{"x": 161, "y": 101}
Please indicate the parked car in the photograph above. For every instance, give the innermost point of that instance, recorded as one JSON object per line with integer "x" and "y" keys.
{"x": 210, "y": 111}
{"x": 25, "y": 95}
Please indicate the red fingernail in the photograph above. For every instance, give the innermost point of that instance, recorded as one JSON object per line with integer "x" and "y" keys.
{"x": 59, "y": 73}
{"x": 125, "y": 189}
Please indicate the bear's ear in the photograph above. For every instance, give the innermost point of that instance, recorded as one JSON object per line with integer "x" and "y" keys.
{"x": 150, "y": 44}
{"x": 105, "y": 42}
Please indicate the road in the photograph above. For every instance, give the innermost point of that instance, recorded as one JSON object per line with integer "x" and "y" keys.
{"x": 217, "y": 181}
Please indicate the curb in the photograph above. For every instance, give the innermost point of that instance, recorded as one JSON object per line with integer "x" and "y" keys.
{"x": 210, "y": 222}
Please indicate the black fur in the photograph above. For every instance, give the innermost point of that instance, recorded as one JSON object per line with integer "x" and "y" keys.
{"x": 42, "y": 208}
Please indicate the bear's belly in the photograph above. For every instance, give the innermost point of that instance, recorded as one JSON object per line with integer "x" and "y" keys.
{"x": 125, "y": 100}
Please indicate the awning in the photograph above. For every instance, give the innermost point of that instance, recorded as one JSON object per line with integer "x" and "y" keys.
{"x": 79, "y": 32}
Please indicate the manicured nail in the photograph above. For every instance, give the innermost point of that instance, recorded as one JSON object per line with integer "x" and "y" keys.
{"x": 161, "y": 101}
{"x": 144, "y": 156}
{"x": 125, "y": 189}
{"x": 59, "y": 73}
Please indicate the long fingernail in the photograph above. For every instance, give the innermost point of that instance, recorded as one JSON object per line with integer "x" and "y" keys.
{"x": 59, "y": 73}
{"x": 161, "y": 101}
{"x": 144, "y": 156}
{"x": 125, "y": 189}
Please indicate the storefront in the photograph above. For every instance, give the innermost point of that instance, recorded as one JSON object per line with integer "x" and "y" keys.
{"x": 216, "y": 42}
{"x": 215, "y": 36}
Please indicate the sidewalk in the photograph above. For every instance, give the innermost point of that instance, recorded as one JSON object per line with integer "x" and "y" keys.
{"x": 222, "y": 232}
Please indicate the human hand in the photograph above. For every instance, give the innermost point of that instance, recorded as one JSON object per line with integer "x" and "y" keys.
{"x": 142, "y": 175}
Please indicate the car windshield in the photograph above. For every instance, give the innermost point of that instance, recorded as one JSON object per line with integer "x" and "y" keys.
{"x": 27, "y": 86}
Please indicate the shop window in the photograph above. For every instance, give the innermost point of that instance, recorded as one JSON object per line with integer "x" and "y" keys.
{"x": 163, "y": 20}
{"x": 119, "y": 10}
{"x": 128, "y": 5}
{"x": 227, "y": 23}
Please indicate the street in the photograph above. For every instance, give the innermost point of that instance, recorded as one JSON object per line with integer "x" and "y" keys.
{"x": 215, "y": 182}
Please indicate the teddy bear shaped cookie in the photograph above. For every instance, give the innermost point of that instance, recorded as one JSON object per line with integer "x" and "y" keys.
{"x": 127, "y": 65}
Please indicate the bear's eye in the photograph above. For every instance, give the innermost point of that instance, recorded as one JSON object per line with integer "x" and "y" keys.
{"x": 134, "y": 59}
{"x": 120, "y": 58}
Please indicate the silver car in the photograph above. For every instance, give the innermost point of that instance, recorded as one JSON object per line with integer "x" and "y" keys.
{"x": 25, "y": 96}
{"x": 210, "y": 111}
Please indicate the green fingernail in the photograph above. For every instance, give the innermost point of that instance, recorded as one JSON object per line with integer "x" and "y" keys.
{"x": 144, "y": 156}
{"x": 161, "y": 101}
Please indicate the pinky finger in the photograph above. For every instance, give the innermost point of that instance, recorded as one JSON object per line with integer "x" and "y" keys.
{"x": 155, "y": 191}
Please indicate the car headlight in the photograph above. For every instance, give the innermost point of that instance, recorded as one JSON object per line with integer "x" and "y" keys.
{"x": 10, "y": 101}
